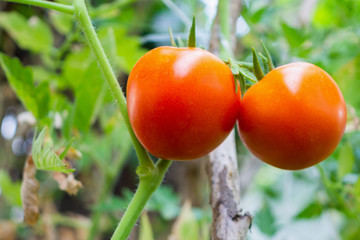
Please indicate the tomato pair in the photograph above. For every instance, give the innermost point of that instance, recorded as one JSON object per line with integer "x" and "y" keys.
{"x": 182, "y": 104}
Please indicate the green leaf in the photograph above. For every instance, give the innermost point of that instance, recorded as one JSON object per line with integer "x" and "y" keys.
{"x": 350, "y": 84}
{"x": 20, "y": 80}
{"x": 357, "y": 187}
{"x": 35, "y": 99}
{"x": 346, "y": 160}
{"x": 115, "y": 203}
{"x": 165, "y": 201}
{"x": 42, "y": 96}
{"x": 313, "y": 210}
{"x": 82, "y": 73}
{"x": 265, "y": 220}
{"x": 89, "y": 97}
{"x": 9, "y": 190}
{"x": 63, "y": 23}
{"x": 32, "y": 34}
{"x": 127, "y": 49}
{"x": 295, "y": 37}
{"x": 75, "y": 66}
{"x": 145, "y": 228}
{"x": 45, "y": 158}
{"x": 248, "y": 74}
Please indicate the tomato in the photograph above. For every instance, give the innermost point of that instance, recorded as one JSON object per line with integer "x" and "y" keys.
{"x": 181, "y": 102}
{"x": 294, "y": 117}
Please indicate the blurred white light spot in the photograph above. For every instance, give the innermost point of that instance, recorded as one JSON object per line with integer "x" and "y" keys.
{"x": 17, "y": 146}
{"x": 17, "y": 214}
{"x": 57, "y": 121}
{"x": 242, "y": 28}
{"x": 27, "y": 145}
{"x": 26, "y": 117}
{"x": 8, "y": 126}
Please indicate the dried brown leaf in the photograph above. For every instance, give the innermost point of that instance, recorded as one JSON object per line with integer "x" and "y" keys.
{"x": 68, "y": 183}
{"x": 30, "y": 192}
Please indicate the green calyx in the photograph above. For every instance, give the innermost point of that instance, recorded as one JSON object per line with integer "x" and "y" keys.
{"x": 172, "y": 40}
{"x": 257, "y": 68}
{"x": 249, "y": 73}
{"x": 192, "y": 37}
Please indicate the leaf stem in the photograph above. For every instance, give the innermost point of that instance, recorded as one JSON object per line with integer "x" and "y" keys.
{"x": 94, "y": 43}
{"x": 47, "y": 4}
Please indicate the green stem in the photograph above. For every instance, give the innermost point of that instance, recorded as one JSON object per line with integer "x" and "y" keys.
{"x": 149, "y": 182}
{"x": 94, "y": 43}
{"x": 225, "y": 28}
{"x": 47, "y": 4}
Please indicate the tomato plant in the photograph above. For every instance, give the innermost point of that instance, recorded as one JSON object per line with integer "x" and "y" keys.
{"x": 294, "y": 117}
{"x": 181, "y": 102}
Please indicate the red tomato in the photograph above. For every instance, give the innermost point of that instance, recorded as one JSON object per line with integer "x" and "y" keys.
{"x": 294, "y": 117}
{"x": 181, "y": 102}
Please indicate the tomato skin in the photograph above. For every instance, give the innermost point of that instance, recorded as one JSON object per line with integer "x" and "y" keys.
{"x": 294, "y": 117}
{"x": 181, "y": 102}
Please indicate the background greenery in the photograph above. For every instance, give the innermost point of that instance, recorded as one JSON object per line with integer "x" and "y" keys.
{"x": 54, "y": 76}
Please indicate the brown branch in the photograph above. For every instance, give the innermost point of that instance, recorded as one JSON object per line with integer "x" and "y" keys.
{"x": 228, "y": 221}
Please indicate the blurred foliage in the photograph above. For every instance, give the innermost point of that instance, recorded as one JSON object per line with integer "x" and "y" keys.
{"x": 325, "y": 199}
{"x": 53, "y": 73}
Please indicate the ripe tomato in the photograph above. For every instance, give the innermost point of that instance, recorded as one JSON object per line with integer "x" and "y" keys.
{"x": 181, "y": 102}
{"x": 294, "y": 117}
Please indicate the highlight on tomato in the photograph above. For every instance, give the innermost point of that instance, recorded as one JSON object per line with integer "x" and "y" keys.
{"x": 294, "y": 117}
{"x": 182, "y": 102}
